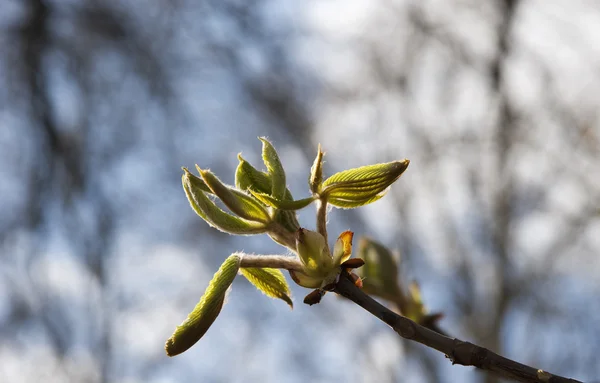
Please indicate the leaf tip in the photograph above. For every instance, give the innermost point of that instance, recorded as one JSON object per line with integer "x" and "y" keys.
{"x": 289, "y": 301}
{"x": 170, "y": 348}
{"x": 264, "y": 140}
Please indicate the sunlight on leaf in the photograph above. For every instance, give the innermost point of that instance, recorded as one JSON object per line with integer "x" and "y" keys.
{"x": 270, "y": 281}
{"x": 206, "y": 311}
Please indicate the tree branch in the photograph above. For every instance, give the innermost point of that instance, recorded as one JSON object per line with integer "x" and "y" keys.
{"x": 458, "y": 351}
{"x": 270, "y": 261}
{"x": 322, "y": 218}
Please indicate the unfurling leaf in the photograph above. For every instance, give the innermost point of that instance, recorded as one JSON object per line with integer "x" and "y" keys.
{"x": 283, "y": 204}
{"x": 214, "y": 215}
{"x": 206, "y": 311}
{"x": 361, "y": 186}
{"x": 198, "y": 182}
{"x": 275, "y": 169}
{"x": 316, "y": 172}
{"x": 248, "y": 177}
{"x": 237, "y": 201}
{"x": 270, "y": 281}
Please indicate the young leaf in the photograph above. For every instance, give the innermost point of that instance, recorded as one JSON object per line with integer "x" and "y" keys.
{"x": 212, "y": 214}
{"x": 351, "y": 204}
{"x": 270, "y": 281}
{"x": 275, "y": 169}
{"x": 198, "y": 182}
{"x": 316, "y": 172}
{"x": 238, "y": 202}
{"x": 206, "y": 311}
{"x": 248, "y": 177}
{"x": 368, "y": 175}
{"x": 357, "y": 187}
{"x": 283, "y": 204}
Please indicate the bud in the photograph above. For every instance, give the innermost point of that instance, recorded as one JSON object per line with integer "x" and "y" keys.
{"x": 361, "y": 186}
{"x": 206, "y": 311}
{"x": 313, "y": 252}
{"x": 214, "y": 215}
{"x": 316, "y": 172}
{"x": 314, "y": 297}
{"x": 356, "y": 280}
{"x": 306, "y": 280}
{"x": 353, "y": 263}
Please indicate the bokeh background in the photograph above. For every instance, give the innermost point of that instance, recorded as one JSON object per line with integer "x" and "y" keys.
{"x": 496, "y": 104}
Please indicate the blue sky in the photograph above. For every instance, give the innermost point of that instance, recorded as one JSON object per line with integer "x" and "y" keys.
{"x": 378, "y": 81}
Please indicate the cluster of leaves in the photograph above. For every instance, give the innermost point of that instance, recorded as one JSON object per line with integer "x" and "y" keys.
{"x": 259, "y": 203}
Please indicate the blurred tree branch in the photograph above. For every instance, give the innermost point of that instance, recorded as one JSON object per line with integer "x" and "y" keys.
{"x": 458, "y": 351}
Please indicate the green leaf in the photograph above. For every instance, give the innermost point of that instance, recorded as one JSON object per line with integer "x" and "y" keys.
{"x": 270, "y": 281}
{"x": 351, "y": 204}
{"x": 353, "y": 192}
{"x": 237, "y": 201}
{"x": 275, "y": 169}
{"x": 248, "y": 177}
{"x": 198, "y": 183}
{"x": 361, "y": 186}
{"x": 380, "y": 272}
{"x": 316, "y": 173}
{"x": 214, "y": 215}
{"x": 368, "y": 175}
{"x": 206, "y": 311}
{"x": 283, "y": 204}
